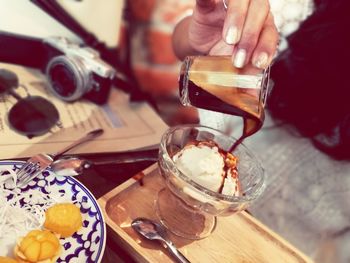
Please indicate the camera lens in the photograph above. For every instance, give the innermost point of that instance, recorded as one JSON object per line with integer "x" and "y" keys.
{"x": 69, "y": 78}
{"x": 63, "y": 80}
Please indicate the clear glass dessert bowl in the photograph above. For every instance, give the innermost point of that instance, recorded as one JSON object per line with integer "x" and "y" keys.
{"x": 186, "y": 207}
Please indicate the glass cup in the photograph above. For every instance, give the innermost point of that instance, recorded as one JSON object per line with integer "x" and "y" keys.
{"x": 213, "y": 83}
{"x": 188, "y": 209}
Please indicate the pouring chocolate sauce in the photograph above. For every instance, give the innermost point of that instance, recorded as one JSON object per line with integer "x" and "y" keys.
{"x": 213, "y": 83}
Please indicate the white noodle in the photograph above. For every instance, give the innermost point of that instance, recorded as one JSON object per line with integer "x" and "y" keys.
{"x": 18, "y": 218}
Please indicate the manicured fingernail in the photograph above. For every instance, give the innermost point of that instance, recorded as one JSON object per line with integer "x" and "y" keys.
{"x": 239, "y": 58}
{"x": 261, "y": 60}
{"x": 232, "y": 35}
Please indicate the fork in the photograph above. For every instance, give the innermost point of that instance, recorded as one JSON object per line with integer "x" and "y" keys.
{"x": 39, "y": 162}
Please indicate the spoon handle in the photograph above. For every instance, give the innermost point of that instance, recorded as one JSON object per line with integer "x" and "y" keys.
{"x": 89, "y": 136}
{"x": 180, "y": 258}
{"x": 125, "y": 160}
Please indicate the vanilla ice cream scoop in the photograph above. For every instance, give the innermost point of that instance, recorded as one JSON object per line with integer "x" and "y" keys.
{"x": 205, "y": 165}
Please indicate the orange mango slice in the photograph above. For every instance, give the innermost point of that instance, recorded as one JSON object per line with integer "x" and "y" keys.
{"x": 64, "y": 219}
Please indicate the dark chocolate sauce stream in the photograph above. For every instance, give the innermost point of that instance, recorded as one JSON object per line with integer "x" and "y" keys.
{"x": 245, "y": 106}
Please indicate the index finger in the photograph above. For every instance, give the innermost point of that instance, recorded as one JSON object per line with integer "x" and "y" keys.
{"x": 235, "y": 18}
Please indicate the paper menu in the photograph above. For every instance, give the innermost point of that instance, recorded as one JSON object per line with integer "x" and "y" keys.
{"x": 126, "y": 126}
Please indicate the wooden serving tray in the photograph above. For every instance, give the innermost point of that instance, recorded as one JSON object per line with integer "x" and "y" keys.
{"x": 237, "y": 238}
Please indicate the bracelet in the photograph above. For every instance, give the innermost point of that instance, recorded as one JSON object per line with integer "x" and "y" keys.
{"x": 225, "y": 4}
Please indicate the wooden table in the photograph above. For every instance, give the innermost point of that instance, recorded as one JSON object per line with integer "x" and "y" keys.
{"x": 237, "y": 238}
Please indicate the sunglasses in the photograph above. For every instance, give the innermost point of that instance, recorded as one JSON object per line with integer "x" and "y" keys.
{"x": 30, "y": 116}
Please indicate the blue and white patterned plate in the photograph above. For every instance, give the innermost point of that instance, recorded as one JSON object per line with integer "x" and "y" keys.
{"x": 88, "y": 244}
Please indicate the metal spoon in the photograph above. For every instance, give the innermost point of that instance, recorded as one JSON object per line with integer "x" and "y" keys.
{"x": 154, "y": 231}
{"x": 73, "y": 166}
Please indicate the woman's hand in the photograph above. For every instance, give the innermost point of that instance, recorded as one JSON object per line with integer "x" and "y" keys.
{"x": 245, "y": 30}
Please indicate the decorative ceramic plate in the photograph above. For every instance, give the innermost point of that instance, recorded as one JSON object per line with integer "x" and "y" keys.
{"x": 88, "y": 243}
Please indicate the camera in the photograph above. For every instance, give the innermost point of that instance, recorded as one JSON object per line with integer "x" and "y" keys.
{"x": 75, "y": 71}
